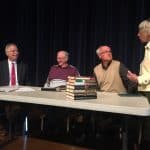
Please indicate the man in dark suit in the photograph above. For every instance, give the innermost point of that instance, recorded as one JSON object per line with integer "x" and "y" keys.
{"x": 12, "y": 73}
{"x": 20, "y": 69}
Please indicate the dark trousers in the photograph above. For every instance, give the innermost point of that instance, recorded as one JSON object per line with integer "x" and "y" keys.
{"x": 146, "y": 127}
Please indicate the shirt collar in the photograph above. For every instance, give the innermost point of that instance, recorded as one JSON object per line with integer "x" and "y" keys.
{"x": 106, "y": 67}
{"x": 11, "y": 61}
{"x": 63, "y": 67}
{"x": 147, "y": 46}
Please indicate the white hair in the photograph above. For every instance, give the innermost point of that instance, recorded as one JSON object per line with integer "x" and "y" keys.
{"x": 65, "y": 53}
{"x": 145, "y": 26}
{"x": 8, "y": 45}
{"x": 97, "y": 51}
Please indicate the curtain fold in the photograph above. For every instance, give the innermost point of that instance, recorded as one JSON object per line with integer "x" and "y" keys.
{"x": 41, "y": 28}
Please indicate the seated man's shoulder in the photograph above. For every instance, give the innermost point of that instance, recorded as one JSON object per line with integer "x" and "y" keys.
{"x": 116, "y": 61}
{"x": 4, "y": 61}
{"x": 97, "y": 66}
{"x": 71, "y": 66}
{"x": 54, "y": 66}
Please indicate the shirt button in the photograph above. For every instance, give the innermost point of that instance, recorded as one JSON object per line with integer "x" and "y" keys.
{"x": 146, "y": 81}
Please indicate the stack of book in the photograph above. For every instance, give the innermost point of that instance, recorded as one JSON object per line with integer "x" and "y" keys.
{"x": 81, "y": 88}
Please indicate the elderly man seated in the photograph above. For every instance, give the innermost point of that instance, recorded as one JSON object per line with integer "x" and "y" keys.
{"x": 58, "y": 73}
{"x": 111, "y": 75}
{"x": 57, "y": 77}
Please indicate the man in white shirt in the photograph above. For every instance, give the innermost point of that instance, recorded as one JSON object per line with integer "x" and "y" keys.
{"x": 143, "y": 79}
{"x": 12, "y": 71}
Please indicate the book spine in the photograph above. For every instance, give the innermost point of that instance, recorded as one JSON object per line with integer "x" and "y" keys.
{"x": 81, "y": 97}
{"x": 82, "y": 87}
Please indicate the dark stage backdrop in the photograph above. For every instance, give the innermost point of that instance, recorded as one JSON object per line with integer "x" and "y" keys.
{"x": 42, "y": 27}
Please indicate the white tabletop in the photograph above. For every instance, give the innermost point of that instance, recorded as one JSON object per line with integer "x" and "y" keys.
{"x": 106, "y": 102}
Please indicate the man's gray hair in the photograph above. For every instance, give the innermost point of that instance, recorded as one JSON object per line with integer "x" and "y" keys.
{"x": 8, "y": 45}
{"x": 97, "y": 50}
{"x": 65, "y": 52}
{"x": 145, "y": 26}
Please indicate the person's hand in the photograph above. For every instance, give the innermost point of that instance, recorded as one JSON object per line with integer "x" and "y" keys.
{"x": 131, "y": 76}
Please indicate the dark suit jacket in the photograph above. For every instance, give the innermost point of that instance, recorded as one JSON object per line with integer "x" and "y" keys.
{"x": 22, "y": 73}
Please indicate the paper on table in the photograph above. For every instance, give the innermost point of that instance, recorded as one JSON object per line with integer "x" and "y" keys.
{"x": 8, "y": 88}
{"x": 25, "y": 89}
{"x": 55, "y": 83}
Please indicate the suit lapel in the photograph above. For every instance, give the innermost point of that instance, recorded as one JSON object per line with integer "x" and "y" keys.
{"x": 7, "y": 70}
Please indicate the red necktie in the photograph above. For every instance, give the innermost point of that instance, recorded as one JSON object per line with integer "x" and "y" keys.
{"x": 13, "y": 75}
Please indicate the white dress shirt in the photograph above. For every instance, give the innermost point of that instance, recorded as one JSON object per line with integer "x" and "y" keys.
{"x": 10, "y": 67}
{"x": 144, "y": 75}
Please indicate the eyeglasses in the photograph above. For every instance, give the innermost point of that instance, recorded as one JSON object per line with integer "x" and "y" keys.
{"x": 107, "y": 51}
{"x": 13, "y": 51}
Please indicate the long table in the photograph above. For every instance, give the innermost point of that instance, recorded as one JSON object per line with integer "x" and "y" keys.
{"x": 123, "y": 104}
{"x": 106, "y": 102}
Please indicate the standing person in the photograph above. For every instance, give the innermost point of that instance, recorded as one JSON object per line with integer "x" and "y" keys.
{"x": 143, "y": 79}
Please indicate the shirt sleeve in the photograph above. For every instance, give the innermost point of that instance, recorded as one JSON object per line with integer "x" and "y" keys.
{"x": 145, "y": 77}
{"x": 51, "y": 74}
{"x": 76, "y": 72}
{"x": 97, "y": 85}
{"x": 130, "y": 86}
